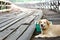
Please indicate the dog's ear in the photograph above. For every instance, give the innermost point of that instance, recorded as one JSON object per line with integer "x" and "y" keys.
{"x": 48, "y": 23}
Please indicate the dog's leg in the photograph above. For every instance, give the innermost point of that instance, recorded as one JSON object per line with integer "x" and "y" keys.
{"x": 40, "y": 35}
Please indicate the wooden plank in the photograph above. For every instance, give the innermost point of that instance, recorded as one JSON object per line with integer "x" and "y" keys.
{"x": 1, "y": 29}
{"x": 17, "y": 33}
{"x": 38, "y": 13}
{"x": 21, "y": 17}
{"x": 7, "y": 22}
{"x": 4, "y": 20}
{"x": 9, "y": 30}
{"x": 28, "y": 33}
{"x": 29, "y": 20}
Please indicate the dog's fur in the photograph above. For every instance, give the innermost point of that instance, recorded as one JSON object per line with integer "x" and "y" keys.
{"x": 48, "y": 30}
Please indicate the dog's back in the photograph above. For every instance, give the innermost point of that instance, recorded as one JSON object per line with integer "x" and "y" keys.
{"x": 55, "y": 29}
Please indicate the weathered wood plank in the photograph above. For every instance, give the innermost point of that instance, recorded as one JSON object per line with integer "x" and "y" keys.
{"x": 17, "y": 33}
{"x": 4, "y": 20}
{"x": 8, "y": 31}
{"x": 29, "y": 20}
{"x": 23, "y": 16}
{"x": 7, "y": 22}
{"x": 28, "y": 33}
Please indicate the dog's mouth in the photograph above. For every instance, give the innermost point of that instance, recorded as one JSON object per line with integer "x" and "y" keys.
{"x": 42, "y": 26}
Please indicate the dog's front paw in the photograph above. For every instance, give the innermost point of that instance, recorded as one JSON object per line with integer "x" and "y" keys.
{"x": 39, "y": 36}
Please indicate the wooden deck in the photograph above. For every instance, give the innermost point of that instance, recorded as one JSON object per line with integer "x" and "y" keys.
{"x": 18, "y": 27}
{"x": 21, "y": 27}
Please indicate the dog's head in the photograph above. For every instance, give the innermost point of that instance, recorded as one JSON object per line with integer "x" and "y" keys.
{"x": 44, "y": 24}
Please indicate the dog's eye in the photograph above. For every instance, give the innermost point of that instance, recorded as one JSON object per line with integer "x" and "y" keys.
{"x": 44, "y": 22}
{"x": 40, "y": 22}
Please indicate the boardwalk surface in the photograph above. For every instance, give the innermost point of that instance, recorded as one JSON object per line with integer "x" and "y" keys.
{"x": 18, "y": 25}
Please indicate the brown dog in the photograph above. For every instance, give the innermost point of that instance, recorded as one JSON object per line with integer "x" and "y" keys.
{"x": 48, "y": 30}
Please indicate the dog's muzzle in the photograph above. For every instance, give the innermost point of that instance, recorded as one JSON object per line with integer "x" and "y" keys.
{"x": 42, "y": 25}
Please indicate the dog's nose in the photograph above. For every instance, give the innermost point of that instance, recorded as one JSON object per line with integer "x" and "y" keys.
{"x": 42, "y": 25}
